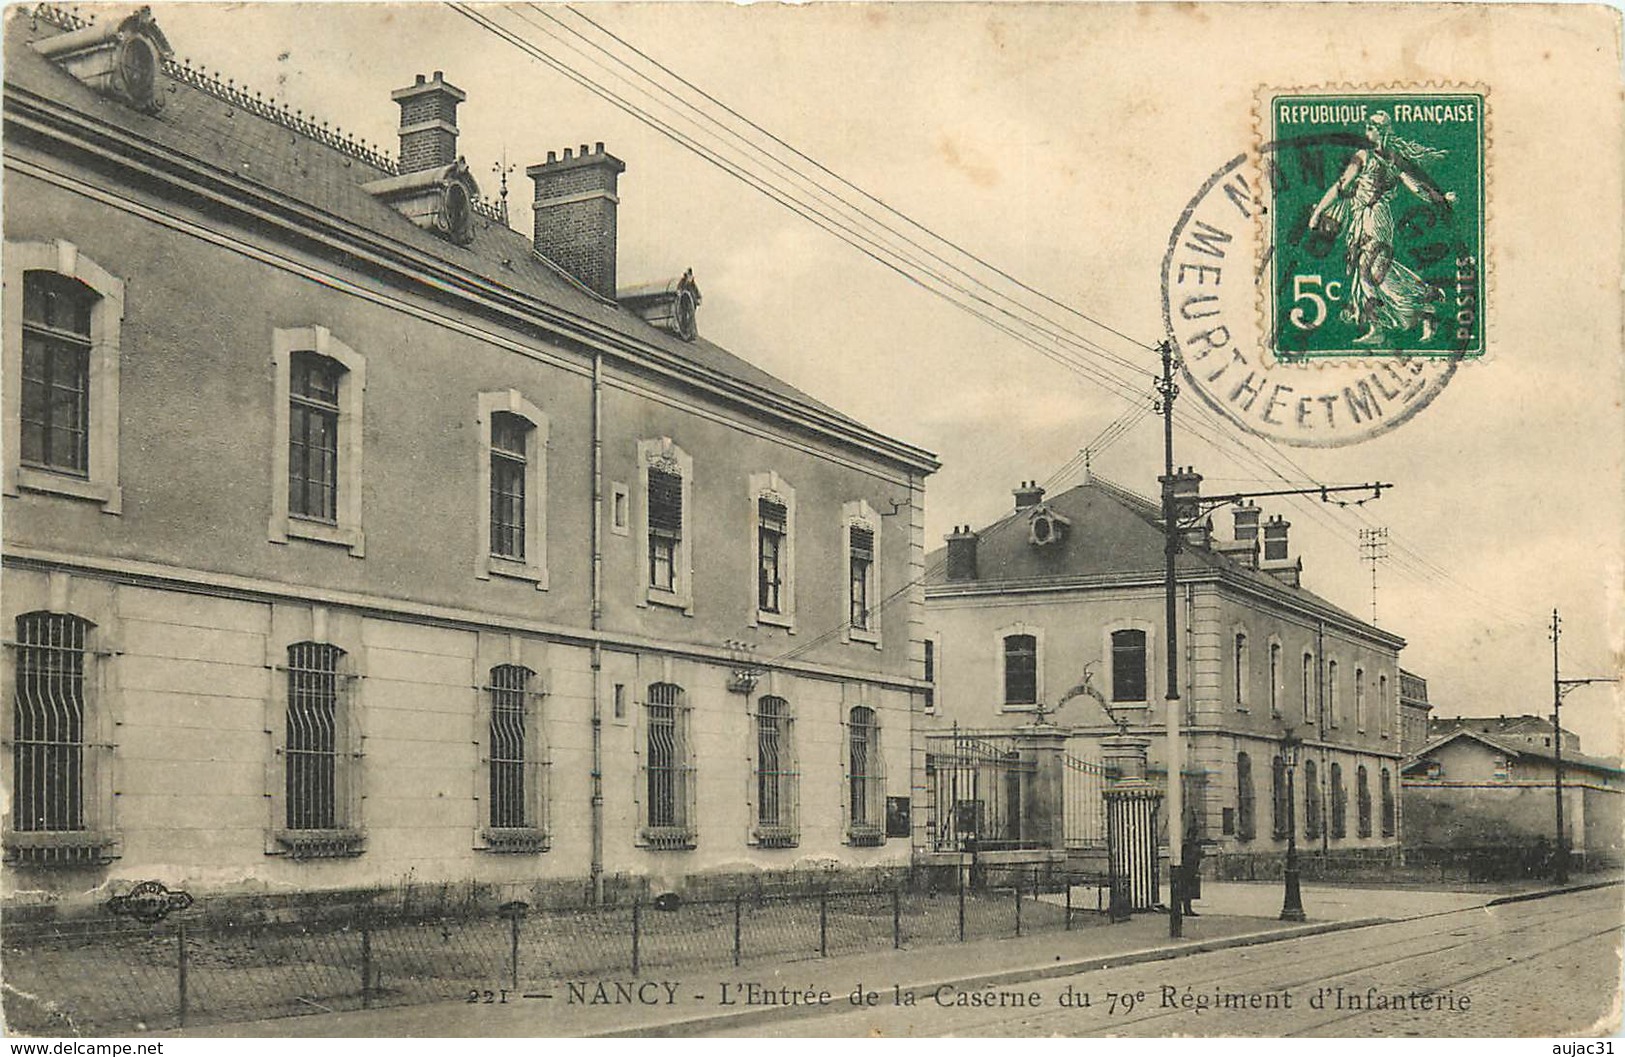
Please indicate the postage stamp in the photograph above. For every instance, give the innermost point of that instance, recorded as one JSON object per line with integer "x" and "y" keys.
{"x": 1323, "y": 286}
{"x": 1376, "y": 205}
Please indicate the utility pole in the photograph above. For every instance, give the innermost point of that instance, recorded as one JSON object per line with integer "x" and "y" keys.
{"x": 1374, "y": 549}
{"x": 1172, "y": 525}
{"x": 1167, "y": 390}
{"x": 1561, "y": 686}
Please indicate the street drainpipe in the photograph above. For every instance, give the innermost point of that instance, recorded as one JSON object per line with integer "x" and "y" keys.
{"x": 597, "y": 533}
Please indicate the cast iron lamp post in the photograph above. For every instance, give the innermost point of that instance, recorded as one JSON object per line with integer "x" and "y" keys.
{"x": 1292, "y": 904}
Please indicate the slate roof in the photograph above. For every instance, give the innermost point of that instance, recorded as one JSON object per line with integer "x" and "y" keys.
{"x": 203, "y": 127}
{"x": 1114, "y": 535}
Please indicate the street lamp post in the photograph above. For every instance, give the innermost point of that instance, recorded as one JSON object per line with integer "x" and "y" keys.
{"x": 1292, "y": 903}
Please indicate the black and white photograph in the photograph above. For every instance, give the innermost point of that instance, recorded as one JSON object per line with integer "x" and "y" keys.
{"x": 842, "y": 520}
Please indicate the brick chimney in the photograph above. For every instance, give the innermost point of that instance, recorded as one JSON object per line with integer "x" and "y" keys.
{"x": 1278, "y": 560}
{"x": 575, "y": 214}
{"x": 1244, "y": 548}
{"x": 961, "y": 554}
{"x": 428, "y": 123}
{"x": 1030, "y": 494}
{"x": 1187, "y": 490}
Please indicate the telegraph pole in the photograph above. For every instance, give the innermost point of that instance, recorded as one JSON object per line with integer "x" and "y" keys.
{"x": 1374, "y": 549}
{"x": 1166, "y": 392}
{"x": 1561, "y": 686}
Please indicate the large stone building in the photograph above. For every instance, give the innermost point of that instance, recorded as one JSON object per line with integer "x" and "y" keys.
{"x": 1055, "y": 612}
{"x": 353, "y": 538}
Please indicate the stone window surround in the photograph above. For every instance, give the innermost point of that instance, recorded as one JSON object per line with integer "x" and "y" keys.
{"x": 534, "y": 566}
{"x": 674, "y": 459}
{"x": 769, "y": 485}
{"x": 352, "y": 389}
{"x": 1020, "y": 627}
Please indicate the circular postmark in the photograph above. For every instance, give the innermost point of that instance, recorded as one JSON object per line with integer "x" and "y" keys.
{"x": 1322, "y": 290}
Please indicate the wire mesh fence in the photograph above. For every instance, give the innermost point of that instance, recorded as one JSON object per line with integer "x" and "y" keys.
{"x": 114, "y": 976}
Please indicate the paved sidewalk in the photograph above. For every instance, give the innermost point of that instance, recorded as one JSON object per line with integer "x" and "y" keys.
{"x": 694, "y": 1001}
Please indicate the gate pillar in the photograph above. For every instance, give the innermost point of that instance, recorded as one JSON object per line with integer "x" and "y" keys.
{"x": 1043, "y": 805}
{"x": 1131, "y": 825}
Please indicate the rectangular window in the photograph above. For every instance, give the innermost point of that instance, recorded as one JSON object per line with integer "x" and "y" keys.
{"x": 49, "y": 724}
{"x": 665, "y": 528}
{"x": 510, "y": 436}
{"x": 55, "y": 404}
{"x": 775, "y": 775}
{"x": 668, "y": 773}
{"x": 313, "y": 437}
{"x": 1020, "y": 670}
{"x": 862, "y": 547}
{"x": 770, "y": 532}
{"x": 312, "y": 737}
{"x": 1128, "y": 665}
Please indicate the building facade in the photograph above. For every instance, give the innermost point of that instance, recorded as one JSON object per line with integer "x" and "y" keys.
{"x": 1055, "y": 614}
{"x": 353, "y": 538}
{"x": 1414, "y": 710}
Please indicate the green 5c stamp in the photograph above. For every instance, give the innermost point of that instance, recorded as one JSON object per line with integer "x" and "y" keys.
{"x": 1376, "y": 225}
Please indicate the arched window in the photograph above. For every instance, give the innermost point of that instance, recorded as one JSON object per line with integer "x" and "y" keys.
{"x": 866, "y": 778}
{"x": 1020, "y": 669}
{"x": 1246, "y": 826}
{"x": 1387, "y": 792}
{"x": 1384, "y": 709}
{"x": 313, "y": 436}
{"x": 510, "y": 452}
{"x": 1339, "y": 802}
{"x": 1359, "y": 699}
{"x": 320, "y": 383}
{"x": 1280, "y": 810}
{"x": 1308, "y": 687}
{"x": 315, "y": 742}
{"x": 1331, "y": 693}
{"x": 1240, "y": 663}
{"x": 49, "y": 724}
{"x": 1275, "y": 678}
{"x": 775, "y": 774}
{"x": 1128, "y": 665}
{"x": 517, "y": 755}
{"x": 1311, "y": 800}
{"x": 668, "y": 769}
{"x": 1362, "y": 800}
{"x": 56, "y": 372}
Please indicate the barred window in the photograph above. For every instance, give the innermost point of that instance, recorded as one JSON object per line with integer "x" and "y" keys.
{"x": 55, "y": 398}
{"x": 930, "y": 674}
{"x": 517, "y": 752}
{"x": 1386, "y": 781}
{"x": 1128, "y": 665}
{"x": 1311, "y": 800}
{"x": 1339, "y": 803}
{"x": 314, "y": 738}
{"x": 668, "y": 769}
{"x": 1280, "y": 803}
{"x": 866, "y": 777}
{"x": 861, "y": 541}
{"x": 776, "y": 774}
{"x": 313, "y": 436}
{"x": 510, "y": 438}
{"x": 1020, "y": 669}
{"x": 1362, "y": 800}
{"x": 1245, "y": 821}
{"x": 771, "y": 526}
{"x": 49, "y": 724}
{"x": 665, "y": 527}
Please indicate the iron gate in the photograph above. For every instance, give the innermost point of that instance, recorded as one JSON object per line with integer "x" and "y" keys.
{"x": 976, "y": 790}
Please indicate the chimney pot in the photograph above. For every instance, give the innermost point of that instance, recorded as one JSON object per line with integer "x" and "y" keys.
{"x": 575, "y": 215}
{"x": 1030, "y": 494}
{"x": 420, "y": 79}
{"x": 598, "y": 148}
{"x": 961, "y": 554}
{"x": 428, "y": 123}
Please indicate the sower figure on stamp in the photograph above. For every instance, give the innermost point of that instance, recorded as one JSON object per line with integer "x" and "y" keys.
{"x": 1383, "y": 294}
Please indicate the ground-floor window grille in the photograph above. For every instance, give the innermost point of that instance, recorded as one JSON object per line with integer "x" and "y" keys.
{"x": 1387, "y": 790}
{"x": 776, "y": 774}
{"x": 49, "y": 724}
{"x": 1245, "y": 817}
{"x": 1280, "y": 805}
{"x": 1362, "y": 800}
{"x": 316, "y": 742}
{"x": 668, "y": 770}
{"x": 517, "y": 762}
{"x": 1339, "y": 803}
{"x": 866, "y": 778}
{"x": 1311, "y": 800}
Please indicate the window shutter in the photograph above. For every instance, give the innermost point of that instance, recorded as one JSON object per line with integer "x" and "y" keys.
{"x": 665, "y": 502}
{"x": 772, "y": 515}
{"x": 863, "y": 542}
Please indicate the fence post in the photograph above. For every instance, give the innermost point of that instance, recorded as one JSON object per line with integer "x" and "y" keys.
{"x": 1018, "y": 902}
{"x": 366, "y": 963}
{"x": 823, "y": 924}
{"x": 738, "y": 930}
{"x": 896, "y": 919}
{"x": 513, "y": 935}
{"x": 637, "y": 927}
{"x": 180, "y": 969}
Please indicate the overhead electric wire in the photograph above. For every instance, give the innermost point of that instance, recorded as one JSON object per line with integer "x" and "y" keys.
{"x": 1213, "y": 429}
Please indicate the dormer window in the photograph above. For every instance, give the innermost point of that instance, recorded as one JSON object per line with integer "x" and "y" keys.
{"x": 1045, "y": 526}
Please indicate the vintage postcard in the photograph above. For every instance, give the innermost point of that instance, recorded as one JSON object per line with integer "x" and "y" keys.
{"x": 875, "y": 519}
